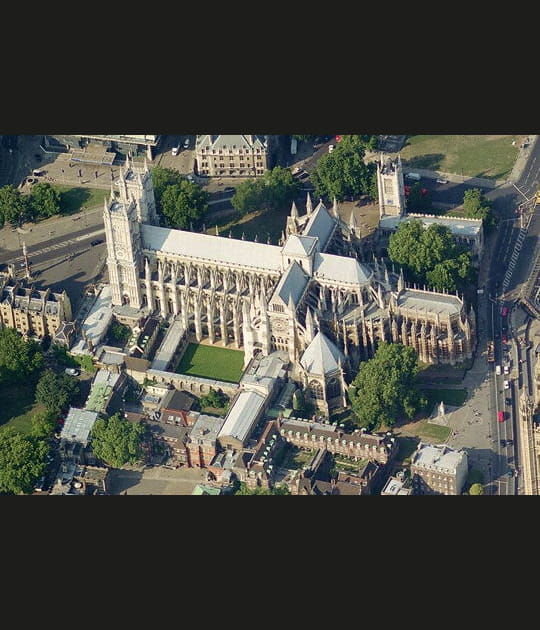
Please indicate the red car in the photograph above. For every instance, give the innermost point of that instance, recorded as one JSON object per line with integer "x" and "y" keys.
{"x": 338, "y": 138}
{"x": 504, "y": 339}
{"x": 500, "y": 416}
{"x": 504, "y": 311}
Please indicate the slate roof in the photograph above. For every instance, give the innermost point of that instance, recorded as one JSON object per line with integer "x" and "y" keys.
{"x": 321, "y": 356}
{"x": 340, "y": 269}
{"x": 299, "y": 245}
{"x": 206, "y": 247}
{"x": 321, "y": 225}
{"x": 292, "y": 282}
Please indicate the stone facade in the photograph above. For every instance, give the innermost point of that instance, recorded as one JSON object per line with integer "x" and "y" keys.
{"x": 232, "y": 156}
{"x": 34, "y": 313}
{"x": 315, "y": 298}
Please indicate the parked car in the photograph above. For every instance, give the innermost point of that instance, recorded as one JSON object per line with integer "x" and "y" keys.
{"x": 98, "y": 241}
{"x": 506, "y": 385}
{"x": 330, "y": 148}
{"x": 186, "y": 143}
{"x": 229, "y": 189}
{"x": 72, "y": 371}
{"x": 442, "y": 180}
{"x": 175, "y": 150}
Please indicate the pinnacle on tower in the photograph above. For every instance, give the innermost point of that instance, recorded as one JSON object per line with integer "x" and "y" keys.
{"x": 243, "y": 236}
{"x": 230, "y": 233}
{"x": 353, "y": 224}
{"x": 217, "y": 231}
{"x": 294, "y": 211}
{"x": 310, "y": 332}
{"x": 309, "y": 205}
{"x": 256, "y": 239}
{"x": 334, "y": 209}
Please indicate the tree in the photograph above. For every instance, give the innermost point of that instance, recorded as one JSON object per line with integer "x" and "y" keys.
{"x": 298, "y": 400}
{"x": 305, "y": 138}
{"x": 162, "y": 178}
{"x": 44, "y": 201}
{"x": 476, "y": 489}
{"x": 430, "y": 256}
{"x": 43, "y": 424}
{"x": 117, "y": 441}
{"x": 119, "y": 334}
{"x": 276, "y": 490}
{"x": 184, "y": 204}
{"x": 279, "y": 188}
{"x": 385, "y": 390}
{"x": 476, "y": 206}
{"x": 13, "y": 205}
{"x": 56, "y": 391}
{"x": 215, "y": 398}
{"x": 19, "y": 359}
{"x": 343, "y": 173}
{"x": 22, "y": 461}
{"x": 248, "y": 196}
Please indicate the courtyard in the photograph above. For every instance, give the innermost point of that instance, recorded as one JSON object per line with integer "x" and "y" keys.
{"x": 212, "y": 362}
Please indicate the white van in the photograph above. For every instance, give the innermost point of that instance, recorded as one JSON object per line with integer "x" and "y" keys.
{"x": 506, "y": 369}
{"x": 497, "y": 369}
{"x": 176, "y": 150}
{"x": 415, "y": 176}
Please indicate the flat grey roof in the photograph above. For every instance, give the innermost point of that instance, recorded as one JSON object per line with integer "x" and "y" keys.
{"x": 78, "y": 425}
{"x": 458, "y": 227}
{"x": 243, "y": 415}
{"x": 441, "y": 303}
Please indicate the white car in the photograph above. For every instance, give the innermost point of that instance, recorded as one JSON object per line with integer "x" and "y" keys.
{"x": 442, "y": 180}
{"x": 175, "y": 150}
{"x": 72, "y": 371}
{"x": 330, "y": 148}
{"x": 506, "y": 385}
{"x": 186, "y": 143}
{"x": 506, "y": 369}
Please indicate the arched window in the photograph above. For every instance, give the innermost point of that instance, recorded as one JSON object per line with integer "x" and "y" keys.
{"x": 316, "y": 390}
{"x": 333, "y": 389}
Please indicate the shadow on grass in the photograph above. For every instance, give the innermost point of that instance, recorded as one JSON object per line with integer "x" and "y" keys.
{"x": 431, "y": 161}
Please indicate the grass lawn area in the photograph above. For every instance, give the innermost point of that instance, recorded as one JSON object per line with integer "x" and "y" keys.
{"x": 342, "y": 463}
{"x": 220, "y": 364}
{"x": 262, "y": 223}
{"x": 18, "y": 406}
{"x": 407, "y": 446}
{"x": 294, "y": 458}
{"x": 72, "y": 199}
{"x": 473, "y": 155}
{"x": 452, "y": 397}
{"x": 424, "y": 430}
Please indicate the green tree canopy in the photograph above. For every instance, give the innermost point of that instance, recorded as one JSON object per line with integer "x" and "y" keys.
{"x": 22, "y": 461}
{"x": 477, "y": 206}
{"x": 274, "y": 190}
{"x": 162, "y": 178}
{"x": 215, "y": 398}
{"x": 343, "y": 173}
{"x": 385, "y": 390}
{"x": 117, "y": 441}
{"x": 248, "y": 196}
{"x": 19, "y": 359}
{"x": 13, "y": 205}
{"x": 56, "y": 391}
{"x": 184, "y": 204}
{"x": 298, "y": 400}
{"x": 476, "y": 489}
{"x": 43, "y": 424}
{"x": 430, "y": 256}
{"x": 44, "y": 201}
{"x": 277, "y": 490}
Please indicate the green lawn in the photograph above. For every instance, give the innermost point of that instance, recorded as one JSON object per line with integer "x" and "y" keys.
{"x": 472, "y": 155}
{"x": 72, "y": 199}
{"x": 18, "y": 406}
{"x": 261, "y": 224}
{"x": 212, "y": 362}
{"x": 293, "y": 458}
{"x": 424, "y": 430}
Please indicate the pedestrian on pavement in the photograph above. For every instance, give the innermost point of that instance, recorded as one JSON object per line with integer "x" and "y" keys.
{"x": 95, "y": 173}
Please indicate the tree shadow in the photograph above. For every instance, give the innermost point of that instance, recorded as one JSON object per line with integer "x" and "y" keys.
{"x": 73, "y": 199}
{"x": 431, "y": 161}
{"x": 120, "y": 481}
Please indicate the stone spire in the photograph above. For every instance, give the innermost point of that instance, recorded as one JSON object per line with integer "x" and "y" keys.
{"x": 217, "y": 231}
{"x": 309, "y": 205}
{"x": 353, "y": 223}
{"x": 401, "y": 281}
{"x": 294, "y": 211}
{"x": 291, "y": 304}
{"x": 334, "y": 209}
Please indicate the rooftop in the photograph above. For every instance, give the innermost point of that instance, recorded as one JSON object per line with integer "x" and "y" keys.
{"x": 438, "y": 457}
{"x": 206, "y": 247}
{"x": 321, "y": 356}
{"x": 458, "y": 227}
{"x": 442, "y": 303}
{"x": 340, "y": 269}
{"x": 78, "y": 425}
{"x": 243, "y": 415}
{"x": 169, "y": 344}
